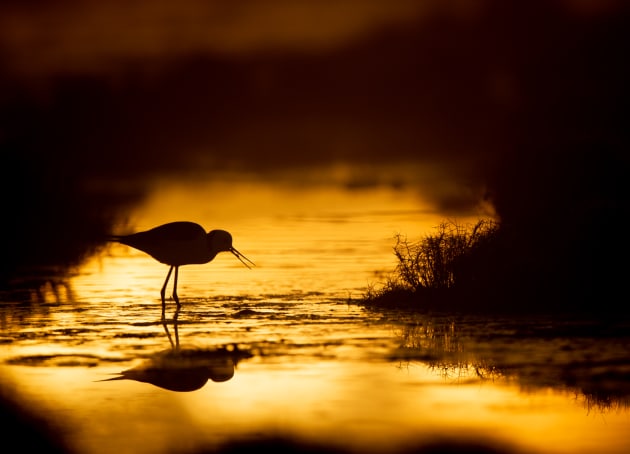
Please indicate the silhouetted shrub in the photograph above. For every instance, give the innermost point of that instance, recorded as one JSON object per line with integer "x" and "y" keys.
{"x": 441, "y": 260}
{"x": 439, "y": 266}
{"x": 497, "y": 267}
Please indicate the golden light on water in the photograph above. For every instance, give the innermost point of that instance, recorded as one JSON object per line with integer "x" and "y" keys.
{"x": 315, "y": 133}
{"x": 321, "y": 368}
{"x": 360, "y": 405}
{"x": 283, "y": 226}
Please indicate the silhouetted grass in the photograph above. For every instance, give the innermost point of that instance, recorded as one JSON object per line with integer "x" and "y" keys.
{"x": 438, "y": 261}
{"x": 438, "y": 268}
{"x": 492, "y": 267}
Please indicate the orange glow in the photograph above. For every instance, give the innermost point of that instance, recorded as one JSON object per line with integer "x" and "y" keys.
{"x": 320, "y": 372}
{"x": 317, "y": 133}
{"x": 279, "y": 226}
{"x": 345, "y": 406}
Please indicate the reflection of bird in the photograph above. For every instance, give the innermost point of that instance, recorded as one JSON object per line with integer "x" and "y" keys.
{"x": 180, "y": 243}
{"x": 186, "y": 370}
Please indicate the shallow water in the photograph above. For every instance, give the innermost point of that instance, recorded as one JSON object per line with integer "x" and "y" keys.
{"x": 283, "y": 350}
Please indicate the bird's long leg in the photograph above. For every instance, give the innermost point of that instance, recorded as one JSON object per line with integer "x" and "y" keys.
{"x": 176, "y": 315}
{"x": 163, "y": 291}
{"x": 176, "y": 347}
{"x": 175, "y": 289}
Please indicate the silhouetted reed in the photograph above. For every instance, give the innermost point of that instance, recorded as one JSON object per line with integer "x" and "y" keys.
{"x": 438, "y": 261}
{"x": 454, "y": 258}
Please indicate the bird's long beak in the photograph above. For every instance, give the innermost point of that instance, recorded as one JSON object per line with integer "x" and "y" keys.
{"x": 242, "y": 258}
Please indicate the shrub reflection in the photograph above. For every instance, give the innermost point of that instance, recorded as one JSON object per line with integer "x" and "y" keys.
{"x": 585, "y": 358}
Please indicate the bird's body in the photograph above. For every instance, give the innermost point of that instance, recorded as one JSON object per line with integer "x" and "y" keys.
{"x": 174, "y": 244}
{"x": 180, "y": 243}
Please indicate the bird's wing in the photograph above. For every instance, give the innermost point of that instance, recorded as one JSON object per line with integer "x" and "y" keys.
{"x": 177, "y": 231}
{"x": 175, "y": 243}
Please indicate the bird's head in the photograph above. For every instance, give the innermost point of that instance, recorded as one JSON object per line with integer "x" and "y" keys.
{"x": 221, "y": 241}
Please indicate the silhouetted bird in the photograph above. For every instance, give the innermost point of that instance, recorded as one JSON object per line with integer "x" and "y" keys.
{"x": 180, "y": 243}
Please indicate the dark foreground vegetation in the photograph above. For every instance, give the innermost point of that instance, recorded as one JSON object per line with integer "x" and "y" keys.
{"x": 26, "y": 431}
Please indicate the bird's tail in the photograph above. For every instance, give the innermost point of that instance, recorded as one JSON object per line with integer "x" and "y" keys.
{"x": 120, "y": 377}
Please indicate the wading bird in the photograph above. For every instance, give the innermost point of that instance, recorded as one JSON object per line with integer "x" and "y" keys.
{"x": 180, "y": 243}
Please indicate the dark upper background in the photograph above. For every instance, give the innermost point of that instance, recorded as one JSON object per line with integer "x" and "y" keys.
{"x": 520, "y": 103}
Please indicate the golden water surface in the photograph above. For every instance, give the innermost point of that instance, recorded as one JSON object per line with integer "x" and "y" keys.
{"x": 282, "y": 349}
